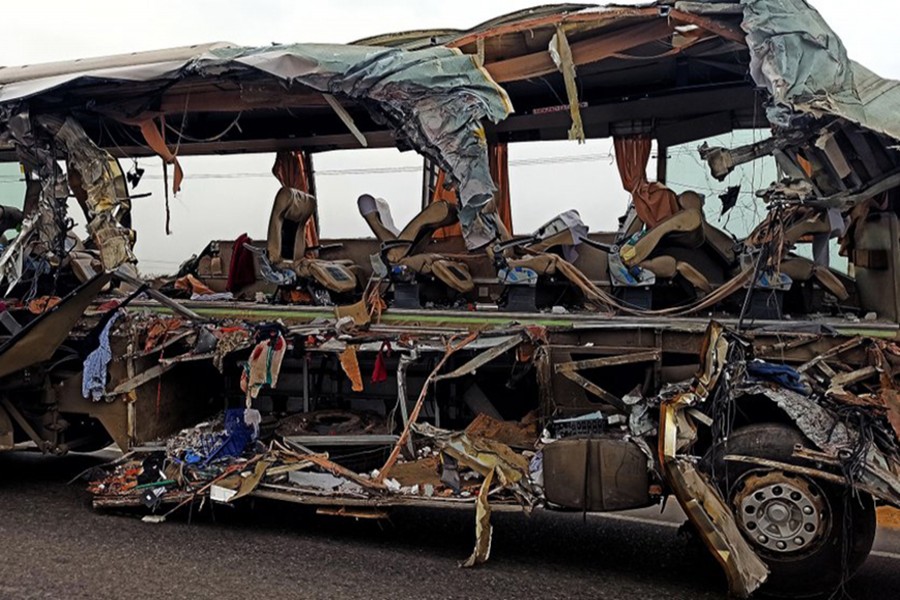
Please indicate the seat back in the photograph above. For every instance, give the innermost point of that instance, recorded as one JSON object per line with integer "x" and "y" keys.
{"x": 565, "y": 229}
{"x": 290, "y": 206}
{"x": 720, "y": 243}
{"x": 716, "y": 240}
{"x": 417, "y": 232}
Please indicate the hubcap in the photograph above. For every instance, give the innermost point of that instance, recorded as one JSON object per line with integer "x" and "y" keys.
{"x": 781, "y": 514}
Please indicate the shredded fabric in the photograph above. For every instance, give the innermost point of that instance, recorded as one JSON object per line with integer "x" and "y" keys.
{"x": 191, "y": 284}
{"x": 263, "y": 366}
{"x": 93, "y": 384}
{"x": 159, "y": 330}
{"x": 43, "y": 304}
{"x": 350, "y": 364}
{"x": 278, "y": 276}
{"x": 379, "y": 372}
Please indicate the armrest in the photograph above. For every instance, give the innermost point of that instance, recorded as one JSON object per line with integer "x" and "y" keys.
{"x": 390, "y": 245}
{"x": 321, "y": 247}
{"x": 501, "y": 247}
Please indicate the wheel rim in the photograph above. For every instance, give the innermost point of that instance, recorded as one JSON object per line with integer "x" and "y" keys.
{"x": 780, "y": 514}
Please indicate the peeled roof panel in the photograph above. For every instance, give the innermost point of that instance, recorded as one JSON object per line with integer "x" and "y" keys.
{"x": 85, "y": 65}
{"x": 434, "y": 99}
{"x": 140, "y": 72}
{"x": 804, "y": 65}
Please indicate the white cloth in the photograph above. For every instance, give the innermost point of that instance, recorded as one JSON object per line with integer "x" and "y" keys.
{"x": 368, "y": 204}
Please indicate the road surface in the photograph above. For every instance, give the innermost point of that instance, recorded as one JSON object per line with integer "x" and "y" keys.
{"x": 55, "y": 546}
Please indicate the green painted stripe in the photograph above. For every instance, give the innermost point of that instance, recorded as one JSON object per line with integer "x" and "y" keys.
{"x": 301, "y": 315}
{"x": 290, "y": 314}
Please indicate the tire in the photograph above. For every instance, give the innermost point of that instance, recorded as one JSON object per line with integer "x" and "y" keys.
{"x": 798, "y": 571}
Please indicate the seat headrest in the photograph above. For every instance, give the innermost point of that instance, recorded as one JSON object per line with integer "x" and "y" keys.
{"x": 369, "y": 205}
{"x": 691, "y": 199}
{"x": 366, "y": 204}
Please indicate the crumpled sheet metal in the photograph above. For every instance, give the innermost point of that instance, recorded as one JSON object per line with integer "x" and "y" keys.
{"x": 34, "y": 149}
{"x": 802, "y": 62}
{"x": 881, "y": 474}
{"x": 12, "y": 260}
{"x": 703, "y": 504}
{"x": 33, "y": 144}
{"x": 434, "y": 99}
{"x": 92, "y": 162}
{"x": 491, "y": 459}
{"x": 815, "y": 421}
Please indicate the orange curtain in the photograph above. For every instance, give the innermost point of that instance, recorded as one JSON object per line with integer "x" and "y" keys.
{"x": 156, "y": 140}
{"x": 290, "y": 170}
{"x": 499, "y": 163}
{"x": 448, "y": 194}
{"x": 498, "y": 155}
{"x": 653, "y": 201}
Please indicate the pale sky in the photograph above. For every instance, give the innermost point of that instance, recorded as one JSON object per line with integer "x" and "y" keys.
{"x": 211, "y": 207}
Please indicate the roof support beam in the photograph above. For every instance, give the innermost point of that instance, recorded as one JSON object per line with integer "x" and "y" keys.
{"x": 584, "y": 52}
{"x": 676, "y": 105}
{"x": 711, "y": 25}
{"x": 345, "y": 117}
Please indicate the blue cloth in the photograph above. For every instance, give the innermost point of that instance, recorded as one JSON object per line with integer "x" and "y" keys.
{"x": 93, "y": 383}
{"x": 783, "y": 375}
{"x": 238, "y": 435}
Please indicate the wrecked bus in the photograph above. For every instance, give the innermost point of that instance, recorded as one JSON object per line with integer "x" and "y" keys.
{"x": 453, "y": 362}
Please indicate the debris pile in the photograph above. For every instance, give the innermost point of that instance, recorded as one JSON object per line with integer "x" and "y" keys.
{"x": 222, "y": 461}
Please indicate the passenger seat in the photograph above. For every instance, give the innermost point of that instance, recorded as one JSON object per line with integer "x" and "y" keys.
{"x": 292, "y": 205}
{"x": 402, "y": 249}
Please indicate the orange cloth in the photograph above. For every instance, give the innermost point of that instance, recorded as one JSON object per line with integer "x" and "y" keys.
{"x": 157, "y": 143}
{"x": 159, "y": 331}
{"x": 43, "y": 304}
{"x": 191, "y": 284}
{"x": 499, "y": 164}
{"x": 449, "y": 194}
{"x": 653, "y": 201}
{"x": 350, "y": 364}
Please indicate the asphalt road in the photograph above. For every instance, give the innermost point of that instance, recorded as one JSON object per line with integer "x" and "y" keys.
{"x": 52, "y": 545}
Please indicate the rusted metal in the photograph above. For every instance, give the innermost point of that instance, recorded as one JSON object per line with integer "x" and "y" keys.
{"x": 608, "y": 361}
{"x": 713, "y": 26}
{"x": 482, "y": 359}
